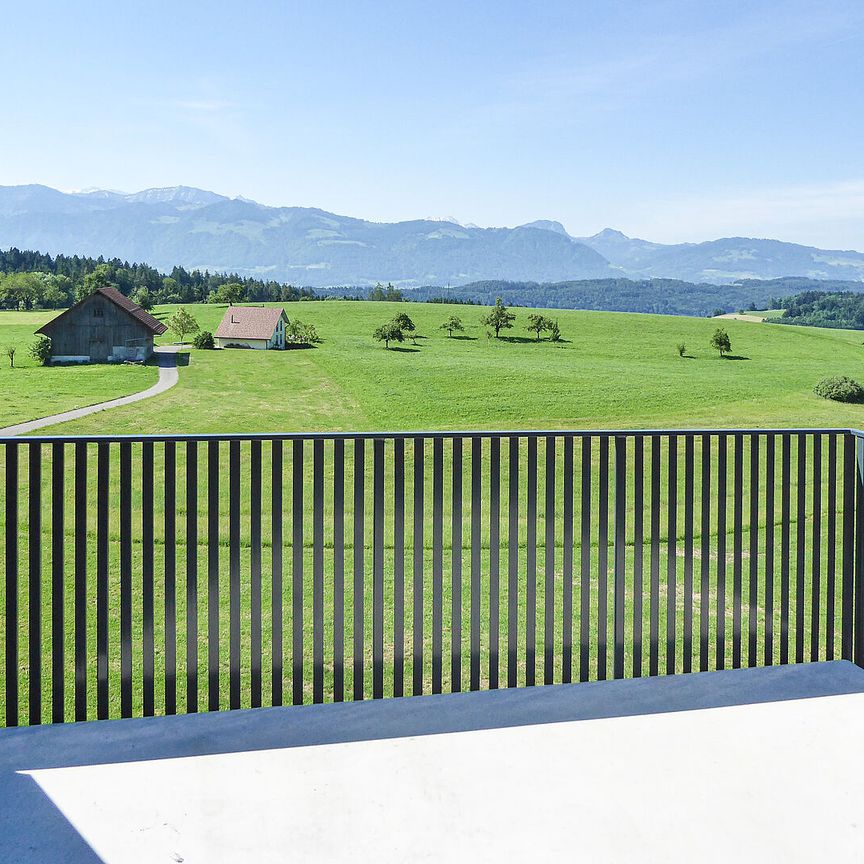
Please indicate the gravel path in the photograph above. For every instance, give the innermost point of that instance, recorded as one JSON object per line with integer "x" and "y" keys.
{"x": 166, "y": 357}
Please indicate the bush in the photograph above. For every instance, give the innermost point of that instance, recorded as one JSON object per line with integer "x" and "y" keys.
{"x": 40, "y": 350}
{"x": 204, "y": 340}
{"x": 840, "y": 389}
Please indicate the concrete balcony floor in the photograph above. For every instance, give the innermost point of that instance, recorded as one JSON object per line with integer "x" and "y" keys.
{"x": 756, "y": 764}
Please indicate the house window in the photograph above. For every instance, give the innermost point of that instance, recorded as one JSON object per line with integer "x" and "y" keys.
{"x": 98, "y": 312}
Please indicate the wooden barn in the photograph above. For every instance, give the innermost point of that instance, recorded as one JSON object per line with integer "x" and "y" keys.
{"x": 106, "y": 327}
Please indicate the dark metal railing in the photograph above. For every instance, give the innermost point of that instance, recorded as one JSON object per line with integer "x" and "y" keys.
{"x": 212, "y": 571}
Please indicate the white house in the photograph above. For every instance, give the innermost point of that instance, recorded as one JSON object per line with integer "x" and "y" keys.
{"x": 259, "y": 327}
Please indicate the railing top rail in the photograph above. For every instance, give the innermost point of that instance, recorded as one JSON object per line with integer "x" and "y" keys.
{"x": 430, "y": 434}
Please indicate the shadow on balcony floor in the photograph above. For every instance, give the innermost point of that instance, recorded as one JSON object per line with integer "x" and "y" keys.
{"x": 621, "y": 770}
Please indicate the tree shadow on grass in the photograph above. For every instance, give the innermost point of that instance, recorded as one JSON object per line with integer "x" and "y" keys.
{"x": 464, "y": 338}
{"x": 734, "y": 357}
{"x": 404, "y": 350}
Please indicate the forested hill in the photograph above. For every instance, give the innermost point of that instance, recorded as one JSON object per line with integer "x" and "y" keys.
{"x": 30, "y": 280}
{"x": 661, "y": 296}
{"x": 841, "y": 309}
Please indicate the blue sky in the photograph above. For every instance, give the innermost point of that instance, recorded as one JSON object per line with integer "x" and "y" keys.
{"x": 668, "y": 120}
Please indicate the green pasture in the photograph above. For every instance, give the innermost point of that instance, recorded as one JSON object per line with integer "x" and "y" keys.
{"x": 613, "y": 370}
{"x": 28, "y": 390}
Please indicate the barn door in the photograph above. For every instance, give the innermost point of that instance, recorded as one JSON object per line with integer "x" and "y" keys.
{"x": 98, "y": 345}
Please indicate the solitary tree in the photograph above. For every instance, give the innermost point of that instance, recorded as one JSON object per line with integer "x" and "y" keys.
{"x": 720, "y": 341}
{"x": 682, "y": 348}
{"x": 182, "y": 323}
{"x": 406, "y": 325}
{"x": 537, "y": 324}
{"x": 387, "y": 333}
{"x": 554, "y": 331}
{"x": 9, "y": 350}
{"x": 454, "y": 322}
{"x": 500, "y": 318}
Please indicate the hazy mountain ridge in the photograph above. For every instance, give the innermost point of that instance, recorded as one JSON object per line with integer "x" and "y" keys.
{"x": 309, "y": 246}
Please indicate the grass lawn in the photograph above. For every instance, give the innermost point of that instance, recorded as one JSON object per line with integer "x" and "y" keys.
{"x": 30, "y": 391}
{"x": 615, "y": 370}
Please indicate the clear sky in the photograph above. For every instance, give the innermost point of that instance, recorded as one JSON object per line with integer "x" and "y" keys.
{"x": 668, "y": 120}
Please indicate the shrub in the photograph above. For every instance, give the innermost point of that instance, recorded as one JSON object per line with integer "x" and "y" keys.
{"x": 682, "y": 349}
{"x": 840, "y": 389}
{"x": 204, "y": 340}
{"x": 40, "y": 350}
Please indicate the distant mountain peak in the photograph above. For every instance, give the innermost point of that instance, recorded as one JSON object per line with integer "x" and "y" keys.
{"x": 610, "y": 234}
{"x": 187, "y": 195}
{"x": 547, "y": 225}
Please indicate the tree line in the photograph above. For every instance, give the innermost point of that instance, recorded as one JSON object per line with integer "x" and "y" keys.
{"x": 34, "y": 280}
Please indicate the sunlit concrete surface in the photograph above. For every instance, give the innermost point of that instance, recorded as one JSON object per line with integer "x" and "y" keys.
{"x": 745, "y": 765}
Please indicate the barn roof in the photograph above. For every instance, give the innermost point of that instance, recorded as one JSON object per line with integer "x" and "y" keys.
{"x": 156, "y": 327}
{"x": 249, "y": 322}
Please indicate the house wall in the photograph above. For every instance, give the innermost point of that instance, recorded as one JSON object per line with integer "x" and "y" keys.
{"x": 227, "y": 342}
{"x": 99, "y": 331}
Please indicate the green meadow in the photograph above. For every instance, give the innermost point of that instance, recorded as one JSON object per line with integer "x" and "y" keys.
{"x": 612, "y": 371}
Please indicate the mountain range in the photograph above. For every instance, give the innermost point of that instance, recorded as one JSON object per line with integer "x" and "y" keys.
{"x": 307, "y": 246}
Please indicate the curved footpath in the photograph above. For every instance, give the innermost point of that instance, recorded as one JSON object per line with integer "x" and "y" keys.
{"x": 166, "y": 357}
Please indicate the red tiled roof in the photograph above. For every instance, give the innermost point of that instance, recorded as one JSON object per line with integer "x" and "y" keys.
{"x": 249, "y": 322}
{"x": 156, "y": 327}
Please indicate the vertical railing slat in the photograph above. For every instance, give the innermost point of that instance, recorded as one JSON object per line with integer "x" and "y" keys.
{"x": 785, "y": 514}
{"x": 567, "y": 566}
{"x": 476, "y": 514}
{"x": 80, "y": 607}
{"x": 255, "y": 626}
{"x": 831, "y": 552}
{"x": 277, "y": 646}
{"x": 34, "y": 586}
{"x": 722, "y": 470}
{"x": 318, "y": 571}
{"x": 398, "y": 566}
{"x": 494, "y": 559}
{"x": 358, "y": 651}
{"x": 234, "y": 573}
{"x": 297, "y": 646}
{"x": 638, "y": 549}
{"x": 125, "y": 579}
{"x": 619, "y": 554}
{"x": 170, "y": 574}
{"x": 705, "y": 555}
{"x": 378, "y": 569}
{"x": 768, "y": 655}
{"x": 213, "y": 470}
{"x": 148, "y": 648}
{"x": 338, "y": 570}
{"x": 585, "y": 563}
{"x": 456, "y": 570}
{"x": 11, "y": 604}
{"x": 800, "y": 548}
{"x": 531, "y": 564}
{"x": 191, "y": 577}
{"x": 417, "y": 517}
{"x": 654, "y": 589}
{"x": 437, "y": 562}
{"x": 512, "y": 561}
{"x": 549, "y": 565}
